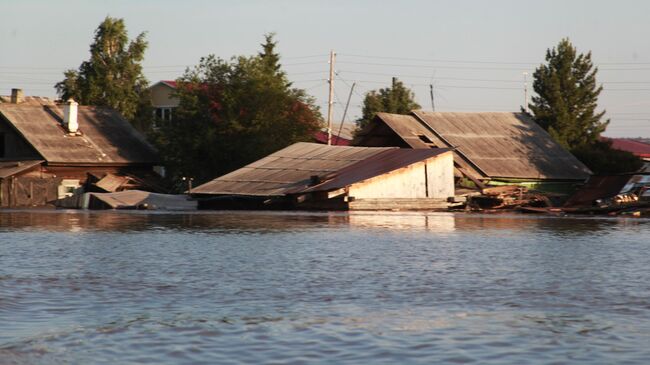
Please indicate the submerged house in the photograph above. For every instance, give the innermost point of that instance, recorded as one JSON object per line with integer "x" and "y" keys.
{"x": 489, "y": 147}
{"x": 49, "y": 151}
{"x": 316, "y": 176}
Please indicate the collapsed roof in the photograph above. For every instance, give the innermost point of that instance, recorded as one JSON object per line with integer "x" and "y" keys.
{"x": 308, "y": 167}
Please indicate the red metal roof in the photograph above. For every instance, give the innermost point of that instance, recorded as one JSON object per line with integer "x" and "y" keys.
{"x": 321, "y": 137}
{"x": 170, "y": 83}
{"x": 638, "y": 148}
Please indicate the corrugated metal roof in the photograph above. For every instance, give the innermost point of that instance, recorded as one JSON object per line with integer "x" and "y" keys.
{"x": 493, "y": 144}
{"x": 289, "y": 169}
{"x": 106, "y": 138}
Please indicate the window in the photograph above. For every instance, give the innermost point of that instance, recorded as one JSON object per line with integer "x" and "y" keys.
{"x": 164, "y": 114}
{"x": 161, "y": 115}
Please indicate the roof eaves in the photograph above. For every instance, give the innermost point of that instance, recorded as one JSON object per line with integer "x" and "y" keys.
{"x": 20, "y": 133}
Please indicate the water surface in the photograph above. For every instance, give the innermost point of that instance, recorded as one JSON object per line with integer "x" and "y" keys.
{"x": 334, "y": 288}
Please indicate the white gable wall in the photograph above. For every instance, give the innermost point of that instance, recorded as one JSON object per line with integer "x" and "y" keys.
{"x": 435, "y": 175}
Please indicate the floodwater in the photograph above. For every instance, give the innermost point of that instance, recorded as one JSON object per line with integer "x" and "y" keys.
{"x": 330, "y": 288}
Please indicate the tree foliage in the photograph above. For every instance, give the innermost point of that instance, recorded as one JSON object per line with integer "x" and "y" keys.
{"x": 232, "y": 113}
{"x": 567, "y": 97}
{"x": 113, "y": 75}
{"x": 397, "y": 99}
{"x": 565, "y": 106}
{"x": 602, "y": 159}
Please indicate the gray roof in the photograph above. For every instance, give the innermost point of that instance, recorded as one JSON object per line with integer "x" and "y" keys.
{"x": 106, "y": 138}
{"x": 29, "y": 100}
{"x": 493, "y": 144}
{"x": 289, "y": 170}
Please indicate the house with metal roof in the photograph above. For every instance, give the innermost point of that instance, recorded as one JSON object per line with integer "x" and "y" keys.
{"x": 163, "y": 99}
{"x": 639, "y": 147}
{"x": 49, "y": 150}
{"x": 316, "y": 176}
{"x": 489, "y": 147}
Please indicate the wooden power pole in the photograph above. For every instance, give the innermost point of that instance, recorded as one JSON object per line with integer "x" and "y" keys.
{"x": 330, "y": 103}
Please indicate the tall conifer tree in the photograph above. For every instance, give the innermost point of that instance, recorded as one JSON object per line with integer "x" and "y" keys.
{"x": 567, "y": 97}
{"x": 565, "y": 106}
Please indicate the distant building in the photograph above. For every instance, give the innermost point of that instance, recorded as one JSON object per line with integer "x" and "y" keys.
{"x": 163, "y": 100}
{"x": 341, "y": 135}
{"x": 321, "y": 137}
{"x": 639, "y": 147}
{"x": 489, "y": 147}
{"x": 49, "y": 151}
{"x": 317, "y": 176}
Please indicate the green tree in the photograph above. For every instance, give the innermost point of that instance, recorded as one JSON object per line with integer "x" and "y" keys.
{"x": 567, "y": 97}
{"x": 232, "y": 113}
{"x": 565, "y": 106}
{"x": 113, "y": 75}
{"x": 396, "y": 99}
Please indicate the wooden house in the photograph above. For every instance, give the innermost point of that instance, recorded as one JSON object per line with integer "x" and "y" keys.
{"x": 317, "y": 176}
{"x": 489, "y": 147}
{"x": 49, "y": 151}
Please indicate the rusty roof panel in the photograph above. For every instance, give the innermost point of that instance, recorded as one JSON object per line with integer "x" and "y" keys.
{"x": 106, "y": 138}
{"x": 598, "y": 187}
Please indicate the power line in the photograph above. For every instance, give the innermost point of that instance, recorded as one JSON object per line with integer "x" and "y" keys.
{"x": 433, "y": 66}
{"x": 474, "y": 61}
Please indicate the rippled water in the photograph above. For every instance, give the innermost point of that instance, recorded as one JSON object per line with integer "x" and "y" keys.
{"x": 397, "y": 288}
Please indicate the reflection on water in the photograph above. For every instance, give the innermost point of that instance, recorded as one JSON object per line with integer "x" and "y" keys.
{"x": 285, "y": 287}
{"x": 76, "y": 220}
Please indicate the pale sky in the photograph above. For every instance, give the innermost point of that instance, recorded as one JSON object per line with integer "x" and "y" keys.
{"x": 475, "y": 53}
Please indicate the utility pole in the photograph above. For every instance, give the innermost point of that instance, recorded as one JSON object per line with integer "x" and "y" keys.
{"x": 345, "y": 112}
{"x": 526, "y": 92}
{"x": 330, "y": 103}
{"x": 433, "y": 105}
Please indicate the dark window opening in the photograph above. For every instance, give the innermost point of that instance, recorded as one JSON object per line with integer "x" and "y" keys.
{"x": 2, "y": 145}
{"x": 162, "y": 115}
{"x": 424, "y": 138}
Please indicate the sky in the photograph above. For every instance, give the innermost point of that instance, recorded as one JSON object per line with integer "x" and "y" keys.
{"x": 474, "y": 53}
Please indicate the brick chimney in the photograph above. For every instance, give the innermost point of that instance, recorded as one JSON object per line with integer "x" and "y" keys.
{"x": 70, "y": 116}
{"x": 17, "y": 96}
